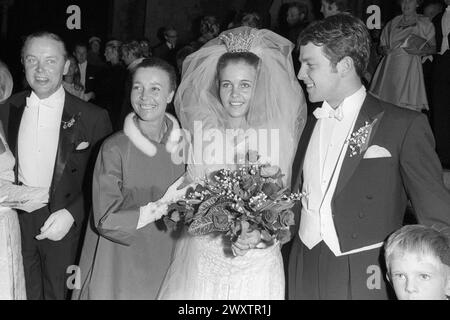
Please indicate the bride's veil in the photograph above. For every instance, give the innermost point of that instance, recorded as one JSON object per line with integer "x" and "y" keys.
{"x": 277, "y": 102}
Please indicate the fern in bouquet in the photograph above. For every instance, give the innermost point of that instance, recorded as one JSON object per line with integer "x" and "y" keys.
{"x": 226, "y": 198}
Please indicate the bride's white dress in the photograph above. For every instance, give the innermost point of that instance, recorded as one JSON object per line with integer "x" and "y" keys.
{"x": 12, "y": 280}
{"x": 203, "y": 267}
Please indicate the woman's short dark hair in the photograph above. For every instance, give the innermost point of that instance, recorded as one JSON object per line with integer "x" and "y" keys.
{"x": 161, "y": 64}
{"x": 235, "y": 57}
{"x": 340, "y": 36}
{"x": 133, "y": 47}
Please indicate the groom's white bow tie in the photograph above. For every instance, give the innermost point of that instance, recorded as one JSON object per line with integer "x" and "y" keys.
{"x": 328, "y": 112}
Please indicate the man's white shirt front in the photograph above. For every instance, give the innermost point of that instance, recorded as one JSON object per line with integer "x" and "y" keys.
{"x": 83, "y": 67}
{"x": 39, "y": 138}
{"x": 323, "y": 161}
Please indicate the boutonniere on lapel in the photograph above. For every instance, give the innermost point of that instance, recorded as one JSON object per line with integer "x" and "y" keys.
{"x": 359, "y": 140}
{"x": 74, "y": 134}
{"x": 71, "y": 122}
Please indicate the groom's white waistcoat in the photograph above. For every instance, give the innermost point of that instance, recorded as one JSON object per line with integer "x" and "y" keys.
{"x": 323, "y": 161}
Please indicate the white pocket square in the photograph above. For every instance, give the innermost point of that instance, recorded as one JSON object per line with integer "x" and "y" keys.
{"x": 375, "y": 152}
{"x": 82, "y": 146}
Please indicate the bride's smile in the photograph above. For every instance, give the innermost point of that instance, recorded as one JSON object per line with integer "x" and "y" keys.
{"x": 236, "y": 82}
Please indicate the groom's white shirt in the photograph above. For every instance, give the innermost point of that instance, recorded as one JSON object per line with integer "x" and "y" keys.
{"x": 39, "y": 137}
{"x": 321, "y": 172}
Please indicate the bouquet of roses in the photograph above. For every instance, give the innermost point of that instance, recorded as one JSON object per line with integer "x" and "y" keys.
{"x": 226, "y": 198}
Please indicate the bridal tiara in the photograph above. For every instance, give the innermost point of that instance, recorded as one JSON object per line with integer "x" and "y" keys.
{"x": 242, "y": 42}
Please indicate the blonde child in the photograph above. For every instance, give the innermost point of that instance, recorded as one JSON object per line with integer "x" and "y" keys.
{"x": 418, "y": 263}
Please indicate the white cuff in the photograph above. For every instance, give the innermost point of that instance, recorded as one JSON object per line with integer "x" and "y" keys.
{"x": 151, "y": 212}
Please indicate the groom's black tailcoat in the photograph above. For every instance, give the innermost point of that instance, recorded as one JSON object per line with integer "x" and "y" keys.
{"x": 440, "y": 102}
{"x": 371, "y": 194}
{"x": 46, "y": 261}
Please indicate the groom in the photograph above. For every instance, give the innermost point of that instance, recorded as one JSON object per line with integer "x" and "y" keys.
{"x": 53, "y": 136}
{"x": 359, "y": 161}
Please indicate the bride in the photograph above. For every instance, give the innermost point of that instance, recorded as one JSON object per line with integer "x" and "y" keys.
{"x": 238, "y": 93}
{"x": 12, "y": 280}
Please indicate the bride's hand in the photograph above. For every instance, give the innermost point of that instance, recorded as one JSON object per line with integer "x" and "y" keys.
{"x": 246, "y": 241}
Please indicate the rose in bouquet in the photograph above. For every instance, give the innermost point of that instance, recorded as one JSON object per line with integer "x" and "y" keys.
{"x": 226, "y": 198}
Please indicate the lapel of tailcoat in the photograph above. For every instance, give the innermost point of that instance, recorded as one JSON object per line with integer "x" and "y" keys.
{"x": 66, "y": 143}
{"x": 370, "y": 111}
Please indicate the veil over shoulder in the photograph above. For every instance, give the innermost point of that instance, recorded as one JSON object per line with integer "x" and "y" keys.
{"x": 278, "y": 102}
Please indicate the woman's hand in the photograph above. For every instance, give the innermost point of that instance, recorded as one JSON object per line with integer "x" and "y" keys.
{"x": 156, "y": 210}
{"x": 246, "y": 241}
{"x": 173, "y": 193}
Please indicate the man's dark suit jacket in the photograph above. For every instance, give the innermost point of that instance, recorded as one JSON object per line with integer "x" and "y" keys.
{"x": 91, "y": 125}
{"x": 372, "y": 194}
{"x": 162, "y": 51}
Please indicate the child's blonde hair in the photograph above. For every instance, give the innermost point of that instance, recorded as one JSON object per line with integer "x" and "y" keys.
{"x": 418, "y": 239}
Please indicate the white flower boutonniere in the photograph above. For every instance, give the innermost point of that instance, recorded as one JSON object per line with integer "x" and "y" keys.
{"x": 359, "y": 140}
{"x": 71, "y": 121}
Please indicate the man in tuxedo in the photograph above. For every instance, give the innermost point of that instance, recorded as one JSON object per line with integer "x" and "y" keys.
{"x": 167, "y": 50}
{"x": 358, "y": 162}
{"x": 88, "y": 72}
{"x": 53, "y": 135}
{"x": 132, "y": 54}
{"x": 441, "y": 86}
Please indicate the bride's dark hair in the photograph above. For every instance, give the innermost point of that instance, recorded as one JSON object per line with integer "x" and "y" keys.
{"x": 235, "y": 57}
